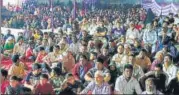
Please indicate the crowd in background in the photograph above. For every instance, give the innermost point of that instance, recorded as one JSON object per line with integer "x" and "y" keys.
{"x": 114, "y": 50}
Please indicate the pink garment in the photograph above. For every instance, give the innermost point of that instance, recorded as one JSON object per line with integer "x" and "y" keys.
{"x": 4, "y": 84}
{"x": 154, "y": 63}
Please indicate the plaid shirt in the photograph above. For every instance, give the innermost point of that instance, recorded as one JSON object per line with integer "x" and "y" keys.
{"x": 95, "y": 89}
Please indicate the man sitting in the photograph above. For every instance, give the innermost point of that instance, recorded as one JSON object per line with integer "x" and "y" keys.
{"x": 14, "y": 87}
{"x": 44, "y": 87}
{"x": 99, "y": 66}
{"x": 18, "y": 68}
{"x": 81, "y": 68}
{"x": 70, "y": 86}
{"x": 98, "y": 86}
{"x": 33, "y": 77}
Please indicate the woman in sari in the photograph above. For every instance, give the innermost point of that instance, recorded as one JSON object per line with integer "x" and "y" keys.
{"x": 9, "y": 45}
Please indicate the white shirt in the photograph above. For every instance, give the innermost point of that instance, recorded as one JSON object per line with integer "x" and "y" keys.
{"x": 131, "y": 35}
{"x": 150, "y": 37}
{"x": 171, "y": 71}
{"x": 154, "y": 93}
{"x": 92, "y": 29}
{"x": 74, "y": 48}
{"x": 176, "y": 20}
{"x": 124, "y": 87}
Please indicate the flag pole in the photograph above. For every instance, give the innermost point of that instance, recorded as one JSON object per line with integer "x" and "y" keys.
{"x": 52, "y": 22}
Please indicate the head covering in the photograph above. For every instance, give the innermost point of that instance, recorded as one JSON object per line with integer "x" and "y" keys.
{"x": 112, "y": 63}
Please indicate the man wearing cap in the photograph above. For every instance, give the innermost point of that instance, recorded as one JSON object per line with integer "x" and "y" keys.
{"x": 33, "y": 77}
{"x": 158, "y": 75}
{"x": 151, "y": 88}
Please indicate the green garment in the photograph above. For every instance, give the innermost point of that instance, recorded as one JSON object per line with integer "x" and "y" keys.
{"x": 8, "y": 46}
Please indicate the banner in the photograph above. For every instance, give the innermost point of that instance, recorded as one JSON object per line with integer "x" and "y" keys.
{"x": 15, "y": 32}
{"x": 162, "y": 8}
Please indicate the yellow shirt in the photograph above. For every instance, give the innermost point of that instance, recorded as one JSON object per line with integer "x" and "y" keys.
{"x": 17, "y": 70}
{"x": 36, "y": 36}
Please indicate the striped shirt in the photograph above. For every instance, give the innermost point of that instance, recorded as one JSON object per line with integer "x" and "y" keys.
{"x": 130, "y": 87}
{"x": 95, "y": 89}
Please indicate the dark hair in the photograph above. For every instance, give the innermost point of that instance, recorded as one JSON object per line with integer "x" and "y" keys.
{"x": 99, "y": 59}
{"x": 68, "y": 75}
{"x": 4, "y": 73}
{"x": 20, "y": 38}
{"x": 128, "y": 66}
{"x": 27, "y": 91}
{"x": 44, "y": 76}
{"x": 51, "y": 49}
{"x": 57, "y": 70}
{"x": 94, "y": 53}
{"x": 169, "y": 55}
{"x": 41, "y": 48}
{"x": 83, "y": 56}
{"x": 14, "y": 78}
{"x": 144, "y": 50}
{"x": 57, "y": 46}
{"x": 36, "y": 66}
{"x": 159, "y": 66}
{"x": 15, "y": 58}
{"x": 45, "y": 33}
{"x": 132, "y": 54}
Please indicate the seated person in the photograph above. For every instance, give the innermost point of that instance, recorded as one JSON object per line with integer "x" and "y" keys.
{"x": 56, "y": 79}
{"x": 151, "y": 88}
{"x": 81, "y": 68}
{"x": 98, "y": 86}
{"x": 43, "y": 87}
{"x": 4, "y": 80}
{"x": 26, "y": 91}
{"x": 126, "y": 84}
{"x": 70, "y": 86}
{"x": 143, "y": 60}
{"x": 17, "y": 68}
{"x": 173, "y": 87}
{"x": 19, "y": 47}
{"x": 52, "y": 57}
{"x": 114, "y": 72}
{"x": 158, "y": 75}
{"x": 41, "y": 55}
{"x": 33, "y": 77}
{"x": 99, "y": 66}
{"x": 9, "y": 45}
{"x": 14, "y": 87}
{"x": 29, "y": 52}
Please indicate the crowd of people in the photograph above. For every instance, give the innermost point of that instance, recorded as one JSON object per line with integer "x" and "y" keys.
{"x": 118, "y": 50}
